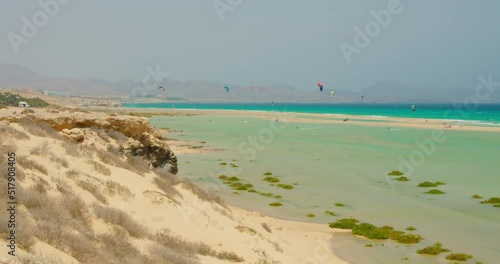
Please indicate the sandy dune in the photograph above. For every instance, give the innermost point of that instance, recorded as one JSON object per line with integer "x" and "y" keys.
{"x": 60, "y": 170}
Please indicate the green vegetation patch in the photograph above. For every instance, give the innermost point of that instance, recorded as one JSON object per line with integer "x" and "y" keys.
{"x": 234, "y": 178}
{"x": 285, "y": 186}
{"x": 223, "y": 163}
{"x": 435, "y": 191}
{"x": 330, "y": 213}
{"x": 271, "y": 179}
{"x": 475, "y": 196}
{"x": 395, "y": 173}
{"x": 436, "y": 249}
{"x": 373, "y": 232}
{"x": 278, "y": 196}
{"x": 268, "y": 173}
{"x": 223, "y": 177}
{"x": 370, "y": 231}
{"x": 411, "y": 228}
{"x": 311, "y": 215}
{"x": 430, "y": 184}
{"x": 266, "y": 194}
{"x": 402, "y": 179}
{"x": 345, "y": 223}
{"x": 492, "y": 200}
{"x": 459, "y": 257}
{"x": 368, "y": 245}
{"x": 276, "y": 204}
{"x": 10, "y": 99}
{"x": 252, "y": 191}
{"x": 339, "y": 204}
{"x": 408, "y": 239}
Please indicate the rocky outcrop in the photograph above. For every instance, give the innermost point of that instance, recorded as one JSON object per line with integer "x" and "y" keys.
{"x": 75, "y": 134}
{"x": 143, "y": 139}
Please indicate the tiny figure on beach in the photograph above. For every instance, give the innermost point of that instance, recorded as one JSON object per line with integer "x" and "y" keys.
{"x": 297, "y": 128}
{"x": 346, "y": 119}
{"x": 277, "y": 120}
{"x": 388, "y": 128}
{"x": 414, "y": 108}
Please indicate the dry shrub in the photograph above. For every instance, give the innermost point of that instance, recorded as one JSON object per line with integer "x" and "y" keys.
{"x": 120, "y": 250}
{"x": 266, "y": 227}
{"x": 167, "y": 188}
{"x": 245, "y": 229}
{"x": 93, "y": 189}
{"x": 59, "y": 160}
{"x": 138, "y": 165}
{"x": 9, "y": 132}
{"x": 178, "y": 244}
{"x": 72, "y": 174}
{"x": 162, "y": 254}
{"x": 27, "y": 111}
{"x": 118, "y": 217}
{"x": 98, "y": 167}
{"x": 86, "y": 151}
{"x": 118, "y": 136}
{"x": 31, "y": 165}
{"x": 40, "y": 149}
{"x": 32, "y": 199}
{"x": 38, "y": 258}
{"x": 41, "y": 185}
{"x": 113, "y": 188}
{"x": 63, "y": 187}
{"x": 79, "y": 246}
{"x": 165, "y": 174}
{"x": 106, "y": 157}
{"x": 100, "y": 133}
{"x": 71, "y": 147}
{"x": 209, "y": 196}
{"x": 24, "y": 231}
{"x": 39, "y": 128}
{"x": 77, "y": 208}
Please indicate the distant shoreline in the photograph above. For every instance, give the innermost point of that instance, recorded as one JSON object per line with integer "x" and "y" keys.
{"x": 484, "y": 114}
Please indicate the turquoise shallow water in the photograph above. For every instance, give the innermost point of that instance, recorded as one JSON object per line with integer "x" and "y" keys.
{"x": 484, "y": 113}
{"x": 344, "y": 163}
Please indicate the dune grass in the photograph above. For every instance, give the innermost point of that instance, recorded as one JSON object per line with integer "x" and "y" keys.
{"x": 276, "y": 204}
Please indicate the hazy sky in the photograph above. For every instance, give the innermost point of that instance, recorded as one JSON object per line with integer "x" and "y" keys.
{"x": 428, "y": 43}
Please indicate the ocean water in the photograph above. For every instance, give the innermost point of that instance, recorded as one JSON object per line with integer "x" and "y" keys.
{"x": 488, "y": 114}
{"x": 343, "y": 163}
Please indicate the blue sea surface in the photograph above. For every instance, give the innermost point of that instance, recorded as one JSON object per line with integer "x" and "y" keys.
{"x": 484, "y": 114}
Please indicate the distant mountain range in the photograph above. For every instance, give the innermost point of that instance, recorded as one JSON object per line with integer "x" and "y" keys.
{"x": 17, "y": 77}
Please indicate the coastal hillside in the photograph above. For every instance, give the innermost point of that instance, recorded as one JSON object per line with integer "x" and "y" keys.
{"x": 105, "y": 188}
